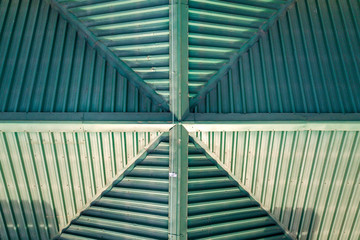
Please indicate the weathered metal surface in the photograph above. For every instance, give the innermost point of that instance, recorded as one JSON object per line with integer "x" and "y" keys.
{"x": 309, "y": 180}
{"x": 218, "y": 208}
{"x": 46, "y": 66}
{"x": 46, "y": 177}
{"x": 179, "y": 60}
{"x": 134, "y": 207}
{"x": 135, "y": 31}
{"x": 219, "y": 29}
{"x": 178, "y": 188}
{"x": 308, "y": 62}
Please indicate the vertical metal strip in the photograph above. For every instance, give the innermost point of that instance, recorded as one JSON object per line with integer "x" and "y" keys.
{"x": 179, "y": 100}
{"x": 178, "y": 180}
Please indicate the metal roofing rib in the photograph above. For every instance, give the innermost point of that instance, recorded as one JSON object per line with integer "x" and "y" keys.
{"x": 306, "y": 63}
{"x": 214, "y": 25}
{"x": 46, "y": 66}
{"x": 306, "y": 179}
{"x": 47, "y": 178}
{"x": 136, "y": 31}
{"x": 138, "y": 210}
{"x": 219, "y": 209}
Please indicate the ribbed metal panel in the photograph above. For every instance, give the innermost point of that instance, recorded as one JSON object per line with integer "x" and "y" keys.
{"x": 309, "y": 180}
{"x": 134, "y": 208}
{"x": 218, "y": 29}
{"x": 219, "y": 209}
{"x": 46, "y": 178}
{"x": 308, "y": 62}
{"x": 137, "y": 31}
{"x": 46, "y": 66}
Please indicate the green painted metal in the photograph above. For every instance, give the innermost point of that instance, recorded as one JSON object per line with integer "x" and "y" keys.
{"x": 307, "y": 62}
{"x": 47, "y": 66}
{"x": 132, "y": 35}
{"x": 275, "y": 126}
{"x": 308, "y": 180}
{"x": 135, "y": 206}
{"x": 105, "y": 117}
{"x": 178, "y": 182}
{"x": 219, "y": 208}
{"x": 71, "y": 71}
{"x": 233, "y": 118}
{"x": 220, "y": 31}
{"x": 179, "y": 100}
{"x": 46, "y": 178}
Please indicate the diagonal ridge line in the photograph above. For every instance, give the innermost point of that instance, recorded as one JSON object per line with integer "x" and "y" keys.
{"x": 118, "y": 177}
{"x": 244, "y": 48}
{"x": 215, "y": 159}
{"x": 105, "y": 52}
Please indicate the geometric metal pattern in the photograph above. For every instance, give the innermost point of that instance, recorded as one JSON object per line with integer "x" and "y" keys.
{"x": 267, "y": 89}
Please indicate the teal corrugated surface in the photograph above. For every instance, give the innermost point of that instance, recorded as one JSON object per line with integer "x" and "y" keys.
{"x": 46, "y": 66}
{"x": 47, "y": 178}
{"x": 308, "y": 62}
{"x": 136, "y": 207}
{"x": 219, "y": 209}
{"x": 309, "y": 180}
{"x": 218, "y": 29}
{"x": 137, "y": 31}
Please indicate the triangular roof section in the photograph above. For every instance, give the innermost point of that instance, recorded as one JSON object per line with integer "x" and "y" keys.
{"x": 220, "y": 31}
{"x": 133, "y": 35}
{"x": 297, "y": 175}
{"x": 47, "y": 64}
{"x": 49, "y": 177}
{"x": 305, "y": 63}
{"x": 218, "y": 208}
{"x": 136, "y": 205}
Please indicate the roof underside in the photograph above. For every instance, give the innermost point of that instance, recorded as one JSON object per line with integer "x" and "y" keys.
{"x": 267, "y": 90}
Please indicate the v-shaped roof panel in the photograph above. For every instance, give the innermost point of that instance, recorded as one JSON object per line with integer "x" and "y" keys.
{"x": 47, "y": 66}
{"x": 305, "y": 63}
{"x": 46, "y": 178}
{"x": 137, "y": 32}
{"x": 136, "y": 206}
{"x": 218, "y": 30}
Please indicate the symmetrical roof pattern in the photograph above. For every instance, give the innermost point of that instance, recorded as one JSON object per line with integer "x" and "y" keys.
{"x": 179, "y": 119}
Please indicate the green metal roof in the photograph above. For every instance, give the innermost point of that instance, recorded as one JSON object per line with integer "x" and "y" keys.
{"x": 307, "y": 62}
{"x": 306, "y": 179}
{"x": 267, "y": 89}
{"x": 48, "y": 177}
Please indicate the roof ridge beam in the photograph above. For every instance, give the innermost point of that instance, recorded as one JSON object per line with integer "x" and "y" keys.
{"x": 179, "y": 58}
{"x": 178, "y": 182}
{"x": 266, "y": 117}
{"x": 119, "y": 117}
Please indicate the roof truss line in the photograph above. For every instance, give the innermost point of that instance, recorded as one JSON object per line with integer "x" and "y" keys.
{"x": 212, "y": 157}
{"x": 123, "y": 117}
{"x": 118, "y": 177}
{"x": 178, "y": 182}
{"x": 225, "y": 68}
{"x": 168, "y": 118}
{"x": 179, "y": 55}
{"x": 103, "y": 50}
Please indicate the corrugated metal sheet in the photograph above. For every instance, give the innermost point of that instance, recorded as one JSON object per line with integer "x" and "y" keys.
{"x": 46, "y": 178}
{"x": 219, "y": 209}
{"x": 46, "y": 66}
{"x": 308, "y": 62}
{"x": 137, "y": 31}
{"x": 218, "y": 29}
{"x": 309, "y": 180}
{"x": 135, "y": 207}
